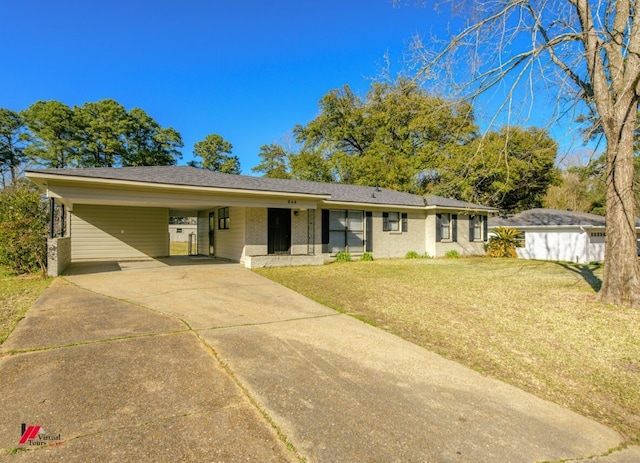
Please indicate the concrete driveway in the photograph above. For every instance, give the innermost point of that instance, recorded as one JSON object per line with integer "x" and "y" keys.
{"x": 194, "y": 360}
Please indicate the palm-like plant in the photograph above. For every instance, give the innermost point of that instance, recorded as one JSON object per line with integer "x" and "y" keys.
{"x": 504, "y": 242}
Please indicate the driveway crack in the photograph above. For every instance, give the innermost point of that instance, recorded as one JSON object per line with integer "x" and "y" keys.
{"x": 253, "y": 401}
{"x": 12, "y": 352}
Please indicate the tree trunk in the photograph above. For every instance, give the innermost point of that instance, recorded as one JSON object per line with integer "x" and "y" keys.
{"x": 621, "y": 281}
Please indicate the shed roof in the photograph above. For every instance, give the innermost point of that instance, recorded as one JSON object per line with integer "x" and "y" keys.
{"x": 548, "y": 218}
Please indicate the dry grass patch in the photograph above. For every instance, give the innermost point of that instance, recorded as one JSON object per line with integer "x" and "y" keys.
{"x": 17, "y": 293}
{"x": 535, "y": 325}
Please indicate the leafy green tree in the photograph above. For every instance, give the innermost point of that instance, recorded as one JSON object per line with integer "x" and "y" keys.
{"x": 11, "y": 144}
{"x": 510, "y": 169}
{"x": 23, "y": 228}
{"x": 97, "y": 134}
{"x": 148, "y": 144}
{"x": 387, "y": 139}
{"x": 53, "y": 134}
{"x": 312, "y": 166}
{"x": 401, "y": 137}
{"x": 102, "y": 128}
{"x": 274, "y": 161}
{"x": 215, "y": 153}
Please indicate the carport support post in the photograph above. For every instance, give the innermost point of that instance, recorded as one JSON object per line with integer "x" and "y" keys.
{"x": 52, "y": 213}
{"x": 63, "y": 221}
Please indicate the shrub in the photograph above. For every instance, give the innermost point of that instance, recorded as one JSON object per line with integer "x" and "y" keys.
{"x": 452, "y": 254}
{"x": 504, "y": 242}
{"x": 343, "y": 256}
{"x": 412, "y": 255}
{"x": 367, "y": 256}
{"x": 23, "y": 229}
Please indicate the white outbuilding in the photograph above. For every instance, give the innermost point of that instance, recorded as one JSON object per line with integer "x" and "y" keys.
{"x": 556, "y": 235}
{"x": 179, "y": 233}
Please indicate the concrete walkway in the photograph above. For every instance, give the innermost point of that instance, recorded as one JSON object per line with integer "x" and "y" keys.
{"x": 161, "y": 361}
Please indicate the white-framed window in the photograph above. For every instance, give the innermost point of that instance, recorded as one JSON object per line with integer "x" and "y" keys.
{"x": 178, "y": 230}
{"x": 390, "y": 221}
{"x": 395, "y": 221}
{"x": 446, "y": 227}
{"x": 476, "y": 231}
{"x": 346, "y": 230}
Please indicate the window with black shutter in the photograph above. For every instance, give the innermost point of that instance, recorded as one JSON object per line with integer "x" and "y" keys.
{"x": 395, "y": 222}
{"x": 343, "y": 230}
{"x": 445, "y": 227}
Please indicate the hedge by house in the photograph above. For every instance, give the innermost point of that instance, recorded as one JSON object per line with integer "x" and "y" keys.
{"x": 23, "y": 229}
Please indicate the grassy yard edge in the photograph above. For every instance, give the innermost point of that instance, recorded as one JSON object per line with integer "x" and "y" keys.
{"x": 558, "y": 306}
{"x": 18, "y": 294}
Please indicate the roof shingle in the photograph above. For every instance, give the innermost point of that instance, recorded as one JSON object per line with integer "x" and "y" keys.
{"x": 547, "y": 218}
{"x": 191, "y": 176}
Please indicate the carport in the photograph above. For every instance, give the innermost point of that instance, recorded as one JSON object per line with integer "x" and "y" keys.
{"x": 127, "y": 218}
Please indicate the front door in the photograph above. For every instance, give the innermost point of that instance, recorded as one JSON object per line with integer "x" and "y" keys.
{"x": 212, "y": 227}
{"x": 279, "y": 236}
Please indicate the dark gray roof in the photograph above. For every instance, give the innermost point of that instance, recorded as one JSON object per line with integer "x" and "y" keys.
{"x": 191, "y": 176}
{"x": 547, "y": 218}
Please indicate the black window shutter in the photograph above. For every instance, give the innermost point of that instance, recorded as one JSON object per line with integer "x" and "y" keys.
{"x": 385, "y": 221}
{"x": 325, "y": 230}
{"x": 369, "y": 235}
{"x": 405, "y": 222}
{"x": 454, "y": 227}
{"x": 485, "y": 231}
{"x": 438, "y": 227}
{"x": 472, "y": 228}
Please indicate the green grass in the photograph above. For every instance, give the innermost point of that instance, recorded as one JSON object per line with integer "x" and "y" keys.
{"x": 178, "y": 249}
{"x": 17, "y": 293}
{"x": 536, "y": 325}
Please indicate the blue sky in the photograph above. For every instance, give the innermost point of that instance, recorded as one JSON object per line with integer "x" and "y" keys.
{"x": 245, "y": 69}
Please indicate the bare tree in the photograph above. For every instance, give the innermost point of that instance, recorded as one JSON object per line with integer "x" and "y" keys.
{"x": 587, "y": 54}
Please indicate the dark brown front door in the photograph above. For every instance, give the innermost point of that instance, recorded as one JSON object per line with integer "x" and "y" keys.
{"x": 279, "y": 237}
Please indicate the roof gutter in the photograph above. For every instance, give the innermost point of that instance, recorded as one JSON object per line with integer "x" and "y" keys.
{"x": 328, "y": 202}
{"x": 463, "y": 209}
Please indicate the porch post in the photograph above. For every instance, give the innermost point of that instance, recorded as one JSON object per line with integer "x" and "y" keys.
{"x": 52, "y": 213}
{"x": 63, "y": 221}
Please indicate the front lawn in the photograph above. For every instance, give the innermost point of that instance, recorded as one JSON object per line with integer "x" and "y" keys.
{"x": 17, "y": 293}
{"x": 536, "y": 325}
